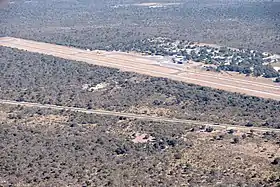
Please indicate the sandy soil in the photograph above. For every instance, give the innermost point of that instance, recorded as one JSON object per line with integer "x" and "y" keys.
{"x": 138, "y": 63}
{"x": 276, "y": 64}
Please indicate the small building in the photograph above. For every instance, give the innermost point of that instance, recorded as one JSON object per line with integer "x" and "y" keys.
{"x": 179, "y": 59}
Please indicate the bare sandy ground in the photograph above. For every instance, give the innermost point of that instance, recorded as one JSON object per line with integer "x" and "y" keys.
{"x": 276, "y": 64}
{"x": 138, "y": 63}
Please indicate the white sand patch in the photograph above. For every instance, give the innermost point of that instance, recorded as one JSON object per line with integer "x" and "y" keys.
{"x": 98, "y": 87}
{"x": 142, "y": 138}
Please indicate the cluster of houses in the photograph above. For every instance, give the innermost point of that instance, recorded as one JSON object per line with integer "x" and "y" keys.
{"x": 182, "y": 52}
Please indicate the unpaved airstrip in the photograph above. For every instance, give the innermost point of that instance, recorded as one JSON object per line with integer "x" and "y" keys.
{"x": 138, "y": 63}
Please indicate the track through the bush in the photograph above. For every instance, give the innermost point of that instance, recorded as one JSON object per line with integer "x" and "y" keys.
{"x": 137, "y": 116}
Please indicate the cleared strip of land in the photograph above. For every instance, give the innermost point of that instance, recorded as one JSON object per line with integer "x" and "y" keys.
{"x": 136, "y": 63}
{"x": 137, "y": 116}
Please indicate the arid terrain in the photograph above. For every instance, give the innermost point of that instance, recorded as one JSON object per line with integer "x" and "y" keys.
{"x": 135, "y": 63}
{"x": 148, "y": 93}
{"x": 38, "y": 78}
{"x": 112, "y": 24}
{"x": 142, "y": 117}
{"x": 45, "y": 147}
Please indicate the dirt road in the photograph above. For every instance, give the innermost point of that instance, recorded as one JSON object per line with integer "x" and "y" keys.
{"x": 138, "y": 116}
{"x": 136, "y": 63}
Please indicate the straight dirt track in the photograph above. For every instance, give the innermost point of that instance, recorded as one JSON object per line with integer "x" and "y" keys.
{"x": 138, "y": 116}
{"x": 136, "y": 63}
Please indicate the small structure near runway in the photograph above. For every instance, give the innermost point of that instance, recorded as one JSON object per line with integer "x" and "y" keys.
{"x": 179, "y": 60}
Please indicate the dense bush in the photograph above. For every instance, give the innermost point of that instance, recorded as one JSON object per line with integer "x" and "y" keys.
{"x": 113, "y": 24}
{"x": 44, "y": 148}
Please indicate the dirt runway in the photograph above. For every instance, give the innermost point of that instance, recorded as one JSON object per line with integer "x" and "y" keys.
{"x": 260, "y": 87}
